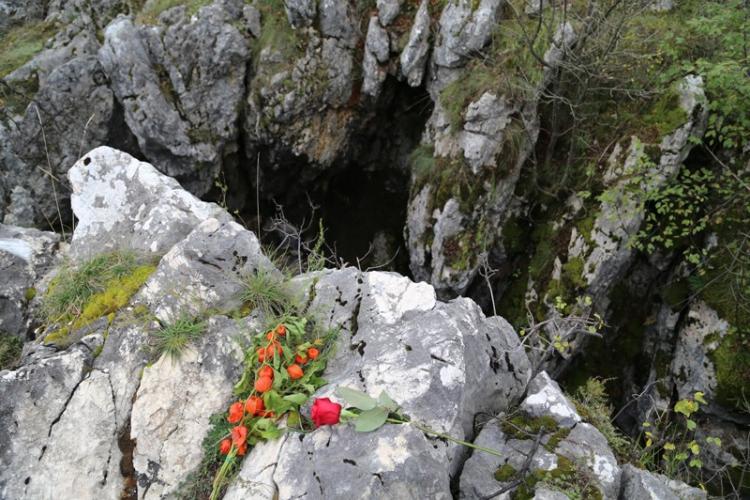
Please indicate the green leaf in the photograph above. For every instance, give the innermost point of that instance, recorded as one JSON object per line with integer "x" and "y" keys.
{"x": 387, "y": 402}
{"x": 696, "y": 463}
{"x": 686, "y": 407}
{"x": 357, "y": 399}
{"x": 371, "y": 419}
{"x": 691, "y": 425}
{"x": 297, "y": 398}
{"x": 699, "y": 397}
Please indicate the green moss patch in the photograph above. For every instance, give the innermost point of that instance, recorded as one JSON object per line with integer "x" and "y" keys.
{"x": 20, "y": 44}
{"x": 566, "y": 478}
{"x": 99, "y": 287}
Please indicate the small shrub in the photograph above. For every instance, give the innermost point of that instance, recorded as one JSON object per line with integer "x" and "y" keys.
{"x": 592, "y": 404}
{"x": 10, "y": 350}
{"x": 173, "y": 339}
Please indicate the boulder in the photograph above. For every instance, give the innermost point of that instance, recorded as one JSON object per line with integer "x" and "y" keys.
{"x": 638, "y": 483}
{"x": 174, "y": 402}
{"x": 25, "y": 256}
{"x": 205, "y": 272}
{"x": 143, "y": 210}
{"x": 444, "y": 363}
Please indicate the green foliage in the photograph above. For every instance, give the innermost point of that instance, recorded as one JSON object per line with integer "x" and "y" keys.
{"x": 172, "y": 340}
{"x": 22, "y": 43}
{"x": 153, "y": 8}
{"x": 98, "y": 287}
{"x": 276, "y": 32}
{"x": 267, "y": 292}
{"x": 592, "y": 404}
{"x": 10, "y": 350}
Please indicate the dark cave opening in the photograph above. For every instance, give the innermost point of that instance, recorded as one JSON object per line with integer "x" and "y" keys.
{"x": 361, "y": 197}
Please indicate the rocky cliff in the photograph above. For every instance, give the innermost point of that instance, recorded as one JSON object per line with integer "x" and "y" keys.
{"x": 426, "y": 168}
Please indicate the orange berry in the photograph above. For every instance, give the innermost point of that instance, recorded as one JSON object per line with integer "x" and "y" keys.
{"x": 225, "y": 446}
{"x": 235, "y": 413}
{"x": 295, "y": 372}
{"x": 261, "y": 355}
{"x": 254, "y": 405}
{"x": 281, "y": 330}
{"x": 263, "y": 384}
{"x": 300, "y": 359}
{"x": 242, "y": 449}
{"x": 266, "y": 371}
{"x": 270, "y": 335}
{"x": 313, "y": 353}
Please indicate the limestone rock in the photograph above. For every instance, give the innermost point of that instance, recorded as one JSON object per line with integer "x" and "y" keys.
{"x": 25, "y": 256}
{"x": 173, "y": 404}
{"x": 638, "y": 483}
{"x": 143, "y": 210}
{"x": 204, "y": 272}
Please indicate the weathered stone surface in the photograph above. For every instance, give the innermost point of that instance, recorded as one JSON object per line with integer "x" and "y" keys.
{"x": 638, "y": 483}
{"x": 463, "y": 30}
{"x": 414, "y": 56}
{"x": 181, "y": 87}
{"x": 377, "y": 50}
{"x": 204, "y": 272}
{"x": 388, "y": 10}
{"x": 609, "y": 253}
{"x": 25, "y": 256}
{"x": 71, "y": 113}
{"x": 143, "y": 210}
{"x": 26, "y": 424}
{"x": 544, "y": 398}
{"x": 583, "y": 446}
{"x": 692, "y": 367}
{"x": 443, "y": 362}
{"x": 173, "y": 404}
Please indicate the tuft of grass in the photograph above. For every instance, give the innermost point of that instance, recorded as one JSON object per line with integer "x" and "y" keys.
{"x": 22, "y": 43}
{"x": 267, "y": 293}
{"x": 99, "y": 287}
{"x": 153, "y": 8}
{"x": 10, "y": 350}
{"x": 173, "y": 339}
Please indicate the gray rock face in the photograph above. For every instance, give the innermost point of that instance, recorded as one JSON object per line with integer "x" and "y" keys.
{"x": 444, "y": 362}
{"x": 70, "y": 114}
{"x": 377, "y": 50}
{"x": 25, "y": 256}
{"x": 27, "y": 424}
{"x": 204, "y": 271}
{"x": 464, "y": 30}
{"x": 609, "y": 253}
{"x": 638, "y": 483}
{"x": 301, "y": 13}
{"x": 388, "y": 10}
{"x": 181, "y": 87}
{"x": 143, "y": 210}
{"x": 692, "y": 367}
{"x": 583, "y": 446}
{"x": 544, "y": 398}
{"x": 173, "y": 404}
{"x": 414, "y": 56}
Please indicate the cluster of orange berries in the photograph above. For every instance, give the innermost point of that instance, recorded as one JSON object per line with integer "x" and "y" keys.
{"x": 253, "y": 406}
{"x": 264, "y": 381}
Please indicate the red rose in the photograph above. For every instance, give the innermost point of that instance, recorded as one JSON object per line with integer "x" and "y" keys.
{"x": 239, "y": 435}
{"x": 325, "y": 412}
{"x": 225, "y": 446}
{"x": 236, "y": 412}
